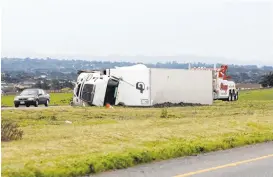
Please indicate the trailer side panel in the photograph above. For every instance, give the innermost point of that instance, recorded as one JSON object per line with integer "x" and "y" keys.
{"x": 177, "y": 85}
{"x": 134, "y": 89}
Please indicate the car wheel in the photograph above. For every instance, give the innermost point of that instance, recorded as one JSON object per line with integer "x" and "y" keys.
{"x": 16, "y": 105}
{"x": 36, "y": 103}
{"x": 46, "y": 104}
{"x": 27, "y": 105}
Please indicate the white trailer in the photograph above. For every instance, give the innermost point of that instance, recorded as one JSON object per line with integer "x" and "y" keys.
{"x": 141, "y": 86}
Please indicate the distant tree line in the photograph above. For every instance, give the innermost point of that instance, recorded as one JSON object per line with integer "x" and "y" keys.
{"x": 19, "y": 70}
{"x": 53, "y": 84}
{"x": 267, "y": 80}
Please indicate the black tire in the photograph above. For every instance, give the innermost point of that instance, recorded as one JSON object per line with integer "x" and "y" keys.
{"x": 36, "y": 104}
{"x": 27, "y": 105}
{"x": 47, "y": 102}
{"x": 16, "y": 105}
{"x": 121, "y": 104}
{"x": 233, "y": 96}
{"x": 229, "y": 97}
{"x": 71, "y": 103}
{"x": 236, "y": 96}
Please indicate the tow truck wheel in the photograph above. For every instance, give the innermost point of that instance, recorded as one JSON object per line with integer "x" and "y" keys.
{"x": 230, "y": 97}
{"x": 236, "y": 96}
{"x": 233, "y": 96}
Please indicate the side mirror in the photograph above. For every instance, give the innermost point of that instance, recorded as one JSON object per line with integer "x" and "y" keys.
{"x": 39, "y": 94}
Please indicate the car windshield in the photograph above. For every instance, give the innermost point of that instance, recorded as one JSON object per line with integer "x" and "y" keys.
{"x": 29, "y": 92}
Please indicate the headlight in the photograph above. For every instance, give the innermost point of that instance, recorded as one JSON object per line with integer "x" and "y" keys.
{"x": 30, "y": 98}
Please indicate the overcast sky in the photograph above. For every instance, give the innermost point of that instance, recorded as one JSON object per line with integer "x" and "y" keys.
{"x": 237, "y": 30}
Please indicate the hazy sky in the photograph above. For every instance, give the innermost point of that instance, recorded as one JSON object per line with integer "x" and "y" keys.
{"x": 237, "y": 30}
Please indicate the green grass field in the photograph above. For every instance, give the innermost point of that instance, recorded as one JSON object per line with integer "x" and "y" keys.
{"x": 102, "y": 139}
{"x": 57, "y": 99}
{"x": 264, "y": 94}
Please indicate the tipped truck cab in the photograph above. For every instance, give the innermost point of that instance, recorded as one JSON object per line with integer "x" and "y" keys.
{"x": 84, "y": 88}
{"x": 101, "y": 88}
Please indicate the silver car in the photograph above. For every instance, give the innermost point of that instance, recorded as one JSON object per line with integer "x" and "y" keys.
{"x": 33, "y": 97}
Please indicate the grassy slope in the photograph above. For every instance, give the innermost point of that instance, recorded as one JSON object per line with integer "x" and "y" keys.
{"x": 266, "y": 94}
{"x": 56, "y": 99}
{"x": 100, "y": 139}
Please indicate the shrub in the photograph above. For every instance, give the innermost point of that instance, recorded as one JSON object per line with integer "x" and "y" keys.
{"x": 53, "y": 118}
{"x": 164, "y": 113}
{"x": 10, "y": 131}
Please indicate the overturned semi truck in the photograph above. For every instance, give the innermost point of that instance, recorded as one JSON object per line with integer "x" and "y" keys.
{"x": 141, "y": 86}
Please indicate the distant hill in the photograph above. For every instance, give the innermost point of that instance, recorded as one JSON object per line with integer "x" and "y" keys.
{"x": 66, "y": 69}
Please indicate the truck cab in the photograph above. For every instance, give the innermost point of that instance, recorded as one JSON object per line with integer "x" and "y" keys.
{"x": 105, "y": 91}
{"x": 117, "y": 86}
{"x": 83, "y": 89}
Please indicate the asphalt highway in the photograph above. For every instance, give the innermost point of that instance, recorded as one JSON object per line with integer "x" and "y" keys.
{"x": 248, "y": 161}
{"x": 32, "y": 107}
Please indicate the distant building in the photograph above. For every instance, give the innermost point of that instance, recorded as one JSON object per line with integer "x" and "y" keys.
{"x": 28, "y": 84}
{"x": 43, "y": 76}
{"x": 7, "y": 87}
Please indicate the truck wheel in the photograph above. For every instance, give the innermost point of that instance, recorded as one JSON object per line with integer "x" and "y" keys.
{"x": 236, "y": 96}
{"x": 230, "y": 97}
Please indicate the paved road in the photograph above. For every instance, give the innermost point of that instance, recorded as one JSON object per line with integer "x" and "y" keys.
{"x": 249, "y": 161}
{"x": 32, "y": 107}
